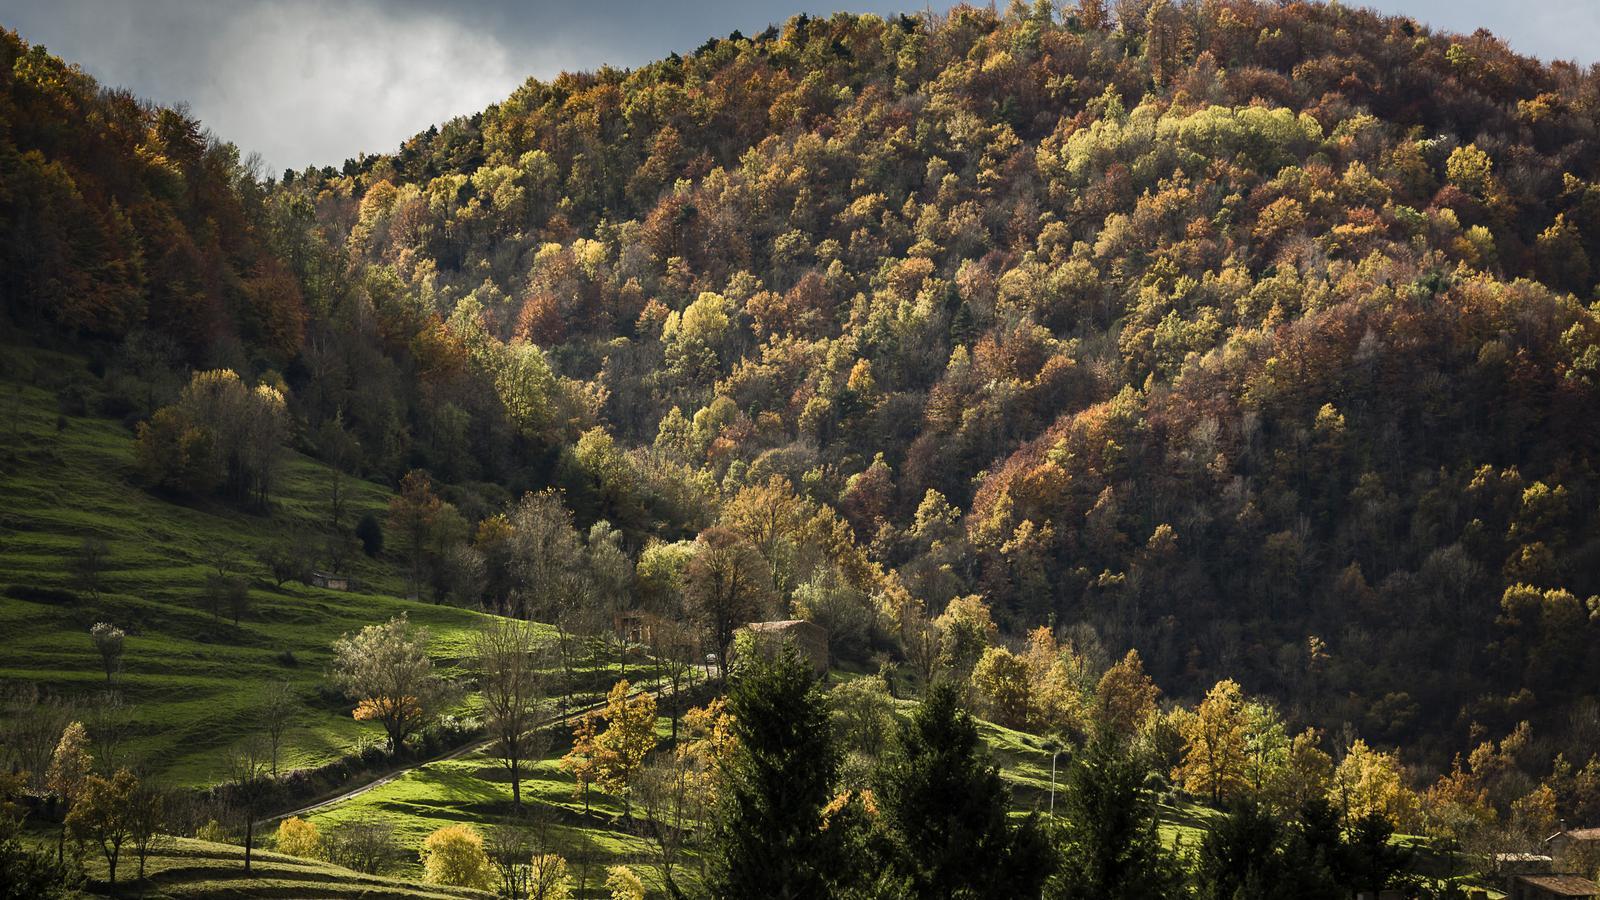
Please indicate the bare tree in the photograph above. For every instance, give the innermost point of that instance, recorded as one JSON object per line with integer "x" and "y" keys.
{"x": 725, "y": 586}
{"x": 670, "y": 799}
{"x": 522, "y": 855}
{"x": 147, "y": 820}
{"x": 363, "y": 846}
{"x": 31, "y": 722}
{"x": 278, "y": 708}
{"x": 246, "y": 785}
{"x": 675, "y": 653}
{"x": 508, "y": 654}
{"x": 89, "y": 563}
{"x": 110, "y": 719}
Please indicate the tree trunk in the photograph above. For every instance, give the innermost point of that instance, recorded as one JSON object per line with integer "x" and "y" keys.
{"x": 249, "y": 838}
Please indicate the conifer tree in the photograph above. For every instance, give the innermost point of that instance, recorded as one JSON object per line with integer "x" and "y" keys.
{"x": 944, "y": 805}
{"x": 769, "y": 838}
{"x": 1110, "y": 847}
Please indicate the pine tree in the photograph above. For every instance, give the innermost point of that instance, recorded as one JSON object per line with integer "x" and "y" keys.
{"x": 1110, "y": 847}
{"x": 944, "y": 805}
{"x": 770, "y": 838}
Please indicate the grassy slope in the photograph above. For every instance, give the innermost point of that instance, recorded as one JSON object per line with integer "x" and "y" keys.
{"x": 193, "y": 682}
{"x": 192, "y": 868}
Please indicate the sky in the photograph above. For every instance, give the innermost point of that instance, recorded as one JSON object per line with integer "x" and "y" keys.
{"x": 317, "y": 81}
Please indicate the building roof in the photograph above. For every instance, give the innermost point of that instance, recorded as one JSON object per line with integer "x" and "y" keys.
{"x": 1562, "y": 885}
{"x": 1583, "y": 834}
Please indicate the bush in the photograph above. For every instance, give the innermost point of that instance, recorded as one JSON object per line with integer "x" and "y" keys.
{"x": 297, "y": 837}
{"x": 363, "y": 846}
{"x": 215, "y": 832}
{"x": 454, "y": 856}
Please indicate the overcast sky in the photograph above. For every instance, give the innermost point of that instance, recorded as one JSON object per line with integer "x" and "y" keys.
{"x": 316, "y": 81}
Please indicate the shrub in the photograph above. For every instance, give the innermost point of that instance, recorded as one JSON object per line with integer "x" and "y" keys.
{"x": 215, "y": 832}
{"x": 454, "y": 856}
{"x": 297, "y": 837}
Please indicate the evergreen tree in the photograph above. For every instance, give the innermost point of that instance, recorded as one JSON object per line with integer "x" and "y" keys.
{"x": 770, "y": 839}
{"x": 944, "y": 806}
{"x": 1109, "y": 843}
{"x": 1371, "y": 862}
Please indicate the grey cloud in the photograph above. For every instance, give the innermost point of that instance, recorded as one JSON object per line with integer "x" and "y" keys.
{"x": 302, "y": 81}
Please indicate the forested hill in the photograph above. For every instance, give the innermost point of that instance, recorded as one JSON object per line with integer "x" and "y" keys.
{"x": 1258, "y": 337}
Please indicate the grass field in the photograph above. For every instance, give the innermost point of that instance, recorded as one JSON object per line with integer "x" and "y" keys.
{"x": 191, "y": 682}
{"x": 188, "y": 868}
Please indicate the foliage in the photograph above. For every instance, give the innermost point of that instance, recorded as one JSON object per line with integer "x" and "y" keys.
{"x": 769, "y": 839}
{"x": 1109, "y": 844}
{"x": 387, "y": 670}
{"x": 297, "y": 837}
{"x": 945, "y": 808}
{"x": 454, "y": 855}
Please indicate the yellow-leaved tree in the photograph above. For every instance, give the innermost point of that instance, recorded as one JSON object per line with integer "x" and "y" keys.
{"x": 630, "y": 735}
{"x": 1368, "y": 782}
{"x": 454, "y": 855}
{"x": 1215, "y": 744}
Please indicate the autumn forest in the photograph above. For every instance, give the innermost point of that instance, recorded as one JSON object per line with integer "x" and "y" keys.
{"x": 1204, "y": 393}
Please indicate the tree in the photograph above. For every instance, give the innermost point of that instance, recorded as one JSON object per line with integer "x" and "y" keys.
{"x": 363, "y": 846}
{"x": 297, "y": 837}
{"x": 548, "y": 879}
{"x": 89, "y": 562}
{"x": 1109, "y": 843}
{"x": 147, "y": 821}
{"x": 225, "y": 591}
{"x": 624, "y": 884}
{"x": 1214, "y": 737}
{"x": 726, "y": 585}
{"x": 245, "y": 786}
{"x": 679, "y": 789}
{"x": 277, "y": 712}
{"x": 508, "y": 652}
{"x": 70, "y": 765}
{"x": 27, "y": 873}
{"x": 1001, "y": 679}
{"x": 582, "y": 759}
{"x": 454, "y": 855}
{"x": 420, "y": 521}
{"x": 862, "y": 713}
{"x": 1250, "y": 855}
{"x": 629, "y": 737}
{"x": 1368, "y": 783}
{"x": 945, "y": 807}
{"x": 768, "y": 838}
{"x": 31, "y": 724}
{"x": 386, "y": 669}
{"x": 1125, "y": 698}
{"x": 102, "y": 814}
{"x": 370, "y": 532}
{"x": 966, "y": 629}
{"x": 108, "y": 641}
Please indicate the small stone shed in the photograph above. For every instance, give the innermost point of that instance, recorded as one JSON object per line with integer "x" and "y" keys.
{"x": 330, "y": 581}
{"x": 809, "y": 638}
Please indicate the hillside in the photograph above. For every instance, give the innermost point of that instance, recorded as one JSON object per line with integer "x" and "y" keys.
{"x": 1206, "y": 388}
{"x": 1259, "y": 338}
{"x": 192, "y": 682}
